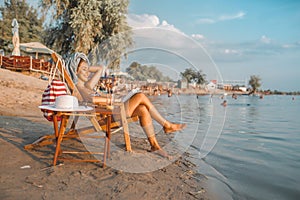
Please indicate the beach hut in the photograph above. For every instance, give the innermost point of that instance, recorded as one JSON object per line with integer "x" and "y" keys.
{"x": 35, "y": 48}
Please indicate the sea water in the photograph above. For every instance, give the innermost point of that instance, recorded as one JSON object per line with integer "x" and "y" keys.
{"x": 249, "y": 149}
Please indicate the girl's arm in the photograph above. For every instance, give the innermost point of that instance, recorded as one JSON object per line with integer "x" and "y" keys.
{"x": 97, "y": 72}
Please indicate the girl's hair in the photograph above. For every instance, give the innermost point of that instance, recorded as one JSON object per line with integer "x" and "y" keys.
{"x": 73, "y": 63}
{"x": 80, "y": 62}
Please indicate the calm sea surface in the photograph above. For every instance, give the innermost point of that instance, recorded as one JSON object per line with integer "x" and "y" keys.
{"x": 248, "y": 150}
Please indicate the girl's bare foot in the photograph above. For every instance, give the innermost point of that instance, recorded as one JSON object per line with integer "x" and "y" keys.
{"x": 173, "y": 128}
{"x": 161, "y": 152}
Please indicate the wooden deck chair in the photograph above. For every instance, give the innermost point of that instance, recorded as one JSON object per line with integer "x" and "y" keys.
{"x": 61, "y": 133}
{"x": 120, "y": 110}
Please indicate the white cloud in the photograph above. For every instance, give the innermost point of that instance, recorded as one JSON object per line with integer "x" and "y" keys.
{"x": 238, "y": 15}
{"x": 166, "y": 25}
{"x": 205, "y": 21}
{"x": 198, "y": 36}
{"x": 144, "y": 25}
{"x": 226, "y": 17}
{"x": 230, "y": 51}
{"x": 293, "y": 45}
{"x": 149, "y": 21}
{"x": 287, "y": 46}
{"x": 149, "y": 30}
{"x": 142, "y": 21}
{"x": 264, "y": 39}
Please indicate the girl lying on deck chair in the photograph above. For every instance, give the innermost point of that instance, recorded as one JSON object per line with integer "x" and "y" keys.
{"x": 138, "y": 105}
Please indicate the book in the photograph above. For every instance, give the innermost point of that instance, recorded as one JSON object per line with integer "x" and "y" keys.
{"x": 130, "y": 94}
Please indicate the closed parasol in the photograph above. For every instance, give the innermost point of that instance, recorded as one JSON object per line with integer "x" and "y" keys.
{"x": 15, "y": 38}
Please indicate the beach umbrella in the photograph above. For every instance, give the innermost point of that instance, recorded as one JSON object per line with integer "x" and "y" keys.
{"x": 15, "y": 38}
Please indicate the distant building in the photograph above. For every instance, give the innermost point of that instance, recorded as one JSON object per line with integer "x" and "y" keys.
{"x": 211, "y": 85}
{"x": 182, "y": 84}
{"x": 243, "y": 89}
{"x": 227, "y": 87}
{"x": 231, "y": 84}
{"x": 214, "y": 81}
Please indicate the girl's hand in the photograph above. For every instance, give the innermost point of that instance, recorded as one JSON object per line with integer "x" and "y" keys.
{"x": 94, "y": 69}
{"x": 102, "y": 100}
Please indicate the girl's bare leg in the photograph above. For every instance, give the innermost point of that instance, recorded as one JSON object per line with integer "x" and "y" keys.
{"x": 142, "y": 99}
{"x": 146, "y": 123}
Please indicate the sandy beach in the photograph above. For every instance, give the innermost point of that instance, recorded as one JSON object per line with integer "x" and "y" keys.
{"x": 29, "y": 174}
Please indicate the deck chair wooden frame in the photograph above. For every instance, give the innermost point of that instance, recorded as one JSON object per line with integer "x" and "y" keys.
{"x": 61, "y": 133}
{"x": 74, "y": 91}
{"x": 123, "y": 123}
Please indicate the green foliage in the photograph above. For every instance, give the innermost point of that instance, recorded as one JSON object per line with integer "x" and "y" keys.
{"x": 255, "y": 82}
{"x": 96, "y": 27}
{"x": 194, "y": 76}
{"x": 142, "y": 73}
{"x": 30, "y": 25}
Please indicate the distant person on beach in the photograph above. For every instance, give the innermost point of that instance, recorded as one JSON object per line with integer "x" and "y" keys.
{"x": 224, "y": 103}
{"x": 234, "y": 96}
{"x": 138, "y": 105}
{"x": 169, "y": 93}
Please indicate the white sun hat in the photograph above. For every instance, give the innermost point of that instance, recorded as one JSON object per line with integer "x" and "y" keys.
{"x": 66, "y": 103}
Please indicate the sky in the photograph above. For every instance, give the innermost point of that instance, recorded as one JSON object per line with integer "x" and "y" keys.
{"x": 226, "y": 40}
{"x": 240, "y": 38}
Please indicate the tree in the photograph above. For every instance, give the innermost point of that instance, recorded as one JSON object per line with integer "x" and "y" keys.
{"x": 188, "y": 74}
{"x": 194, "y": 76}
{"x": 200, "y": 78}
{"x": 255, "y": 83}
{"x": 30, "y": 25}
{"x": 98, "y": 28}
{"x": 143, "y": 72}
